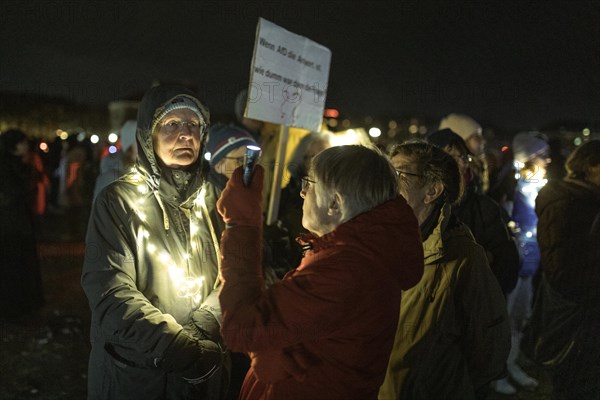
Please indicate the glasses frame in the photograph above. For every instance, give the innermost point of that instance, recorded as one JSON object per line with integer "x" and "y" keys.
{"x": 400, "y": 173}
{"x": 194, "y": 126}
{"x": 239, "y": 160}
{"x": 306, "y": 182}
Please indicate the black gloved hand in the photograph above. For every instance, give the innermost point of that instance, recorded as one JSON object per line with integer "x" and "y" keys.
{"x": 204, "y": 325}
{"x": 195, "y": 360}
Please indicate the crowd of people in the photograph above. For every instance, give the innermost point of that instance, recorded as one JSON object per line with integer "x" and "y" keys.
{"x": 426, "y": 270}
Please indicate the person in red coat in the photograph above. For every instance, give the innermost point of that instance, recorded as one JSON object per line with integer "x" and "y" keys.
{"x": 326, "y": 330}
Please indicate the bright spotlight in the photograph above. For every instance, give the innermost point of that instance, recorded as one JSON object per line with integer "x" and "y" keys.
{"x": 374, "y": 132}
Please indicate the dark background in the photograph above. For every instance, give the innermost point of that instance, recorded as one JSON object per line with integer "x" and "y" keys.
{"x": 510, "y": 64}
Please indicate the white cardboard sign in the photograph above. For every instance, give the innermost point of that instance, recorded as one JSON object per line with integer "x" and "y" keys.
{"x": 288, "y": 78}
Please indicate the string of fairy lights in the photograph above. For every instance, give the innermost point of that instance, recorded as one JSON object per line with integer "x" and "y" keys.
{"x": 186, "y": 286}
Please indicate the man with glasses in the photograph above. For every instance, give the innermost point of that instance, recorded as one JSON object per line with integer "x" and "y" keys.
{"x": 324, "y": 331}
{"x": 151, "y": 270}
{"x": 452, "y": 336}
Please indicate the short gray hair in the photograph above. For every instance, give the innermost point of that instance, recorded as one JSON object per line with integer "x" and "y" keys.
{"x": 362, "y": 175}
{"x": 433, "y": 165}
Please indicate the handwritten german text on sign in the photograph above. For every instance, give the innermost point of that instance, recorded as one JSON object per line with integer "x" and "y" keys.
{"x": 288, "y": 78}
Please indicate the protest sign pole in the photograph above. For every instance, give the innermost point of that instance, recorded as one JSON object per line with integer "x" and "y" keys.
{"x": 279, "y": 166}
{"x": 288, "y": 83}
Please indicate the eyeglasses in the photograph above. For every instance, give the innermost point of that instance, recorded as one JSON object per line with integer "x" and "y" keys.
{"x": 237, "y": 160}
{"x": 306, "y": 181}
{"x": 404, "y": 174}
{"x": 174, "y": 126}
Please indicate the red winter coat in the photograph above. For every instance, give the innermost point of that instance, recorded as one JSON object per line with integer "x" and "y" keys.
{"x": 335, "y": 315}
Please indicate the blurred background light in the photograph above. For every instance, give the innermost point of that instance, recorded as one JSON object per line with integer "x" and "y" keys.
{"x": 374, "y": 132}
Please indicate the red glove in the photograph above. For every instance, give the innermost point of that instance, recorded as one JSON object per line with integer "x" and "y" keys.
{"x": 241, "y": 205}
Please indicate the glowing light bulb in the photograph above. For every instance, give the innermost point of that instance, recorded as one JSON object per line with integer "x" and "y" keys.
{"x": 164, "y": 257}
{"x": 189, "y": 287}
{"x": 143, "y": 189}
{"x": 175, "y": 272}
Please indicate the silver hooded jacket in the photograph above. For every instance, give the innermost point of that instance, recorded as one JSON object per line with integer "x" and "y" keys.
{"x": 151, "y": 262}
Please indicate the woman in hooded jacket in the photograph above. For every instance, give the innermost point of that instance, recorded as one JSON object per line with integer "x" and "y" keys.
{"x": 151, "y": 270}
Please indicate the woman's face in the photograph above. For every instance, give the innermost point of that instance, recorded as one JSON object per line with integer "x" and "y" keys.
{"x": 317, "y": 215}
{"x": 176, "y": 139}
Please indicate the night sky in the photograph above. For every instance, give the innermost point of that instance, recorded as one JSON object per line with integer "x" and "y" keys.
{"x": 513, "y": 64}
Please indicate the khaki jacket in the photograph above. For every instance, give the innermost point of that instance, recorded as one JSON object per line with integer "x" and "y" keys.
{"x": 453, "y": 334}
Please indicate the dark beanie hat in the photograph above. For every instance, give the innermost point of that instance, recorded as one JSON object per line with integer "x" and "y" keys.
{"x": 225, "y": 138}
{"x": 178, "y": 103}
{"x": 447, "y": 137}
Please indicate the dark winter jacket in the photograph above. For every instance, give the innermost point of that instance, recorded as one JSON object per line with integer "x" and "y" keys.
{"x": 151, "y": 266}
{"x": 453, "y": 334}
{"x": 337, "y": 311}
{"x": 565, "y": 325}
{"x": 568, "y": 233}
{"x": 20, "y": 285}
{"x": 487, "y": 221}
